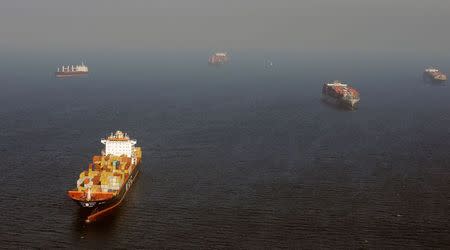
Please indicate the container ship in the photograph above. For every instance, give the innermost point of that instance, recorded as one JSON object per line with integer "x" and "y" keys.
{"x": 72, "y": 70}
{"x": 103, "y": 186}
{"x": 434, "y": 75}
{"x": 218, "y": 58}
{"x": 340, "y": 93}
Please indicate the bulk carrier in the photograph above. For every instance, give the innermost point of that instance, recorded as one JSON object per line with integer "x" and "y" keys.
{"x": 104, "y": 185}
{"x": 218, "y": 58}
{"x": 72, "y": 70}
{"x": 434, "y": 75}
{"x": 340, "y": 93}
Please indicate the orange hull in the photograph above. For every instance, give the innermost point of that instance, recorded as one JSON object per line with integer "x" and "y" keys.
{"x": 95, "y": 215}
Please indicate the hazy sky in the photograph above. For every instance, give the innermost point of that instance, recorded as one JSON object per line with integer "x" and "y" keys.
{"x": 227, "y": 24}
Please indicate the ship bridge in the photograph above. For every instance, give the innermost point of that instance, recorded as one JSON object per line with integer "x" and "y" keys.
{"x": 119, "y": 144}
{"x": 337, "y": 83}
{"x": 431, "y": 70}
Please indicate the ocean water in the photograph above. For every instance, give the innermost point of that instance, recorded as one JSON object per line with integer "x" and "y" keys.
{"x": 239, "y": 156}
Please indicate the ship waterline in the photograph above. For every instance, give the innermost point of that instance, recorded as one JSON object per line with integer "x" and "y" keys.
{"x": 68, "y": 74}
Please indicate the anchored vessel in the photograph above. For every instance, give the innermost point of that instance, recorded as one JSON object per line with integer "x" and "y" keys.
{"x": 72, "y": 70}
{"x": 340, "y": 93}
{"x": 105, "y": 184}
{"x": 434, "y": 75}
{"x": 218, "y": 58}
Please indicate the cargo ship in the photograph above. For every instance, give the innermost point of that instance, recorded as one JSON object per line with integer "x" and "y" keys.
{"x": 103, "y": 186}
{"x": 218, "y": 58}
{"x": 72, "y": 70}
{"x": 341, "y": 94}
{"x": 434, "y": 75}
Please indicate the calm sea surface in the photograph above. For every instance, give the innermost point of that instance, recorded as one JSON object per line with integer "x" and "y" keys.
{"x": 234, "y": 156}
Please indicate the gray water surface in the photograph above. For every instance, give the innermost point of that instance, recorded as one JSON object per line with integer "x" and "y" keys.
{"x": 235, "y": 156}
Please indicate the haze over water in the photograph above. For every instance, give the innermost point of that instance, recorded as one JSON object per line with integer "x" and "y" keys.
{"x": 235, "y": 156}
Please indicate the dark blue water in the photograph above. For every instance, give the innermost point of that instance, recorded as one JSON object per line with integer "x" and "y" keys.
{"x": 235, "y": 156}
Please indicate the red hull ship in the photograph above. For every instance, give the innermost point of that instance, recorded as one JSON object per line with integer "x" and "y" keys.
{"x": 72, "y": 70}
{"x": 218, "y": 59}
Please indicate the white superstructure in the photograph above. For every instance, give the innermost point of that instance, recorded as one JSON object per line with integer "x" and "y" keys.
{"x": 119, "y": 144}
{"x": 431, "y": 70}
{"x": 337, "y": 83}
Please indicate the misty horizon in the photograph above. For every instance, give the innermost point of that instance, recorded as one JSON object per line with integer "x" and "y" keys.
{"x": 347, "y": 25}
